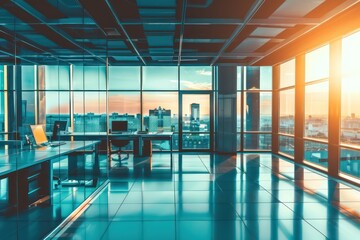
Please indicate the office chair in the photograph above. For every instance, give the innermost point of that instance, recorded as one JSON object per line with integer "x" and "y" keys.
{"x": 119, "y": 127}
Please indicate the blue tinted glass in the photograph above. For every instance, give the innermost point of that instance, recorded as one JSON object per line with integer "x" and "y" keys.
{"x": 349, "y": 162}
{"x": 27, "y": 77}
{"x": 160, "y": 78}
{"x": 57, "y": 77}
{"x": 257, "y": 141}
{"x": 258, "y": 78}
{"x": 286, "y": 145}
{"x": 316, "y": 152}
{"x": 28, "y": 107}
{"x": 89, "y": 77}
{"x": 124, "y": 78}
{"x": 239, "y": 76}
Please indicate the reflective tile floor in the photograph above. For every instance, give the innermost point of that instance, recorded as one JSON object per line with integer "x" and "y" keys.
{"x": 245, "y": 196}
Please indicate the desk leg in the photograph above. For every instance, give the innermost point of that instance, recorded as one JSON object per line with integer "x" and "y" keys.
{"x": 140, "y": 144}
{"x": 171, "y": 153}
{"x": 50, "y": 182}
{"x": 96, "y": 169}
{"x": 13, "y": 189}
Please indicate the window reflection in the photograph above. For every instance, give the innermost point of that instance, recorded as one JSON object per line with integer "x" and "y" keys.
{"x": 350, "y": 108}
{"x": 317, "y": 64}
{"x": 316, "y": 152}
{"x": 287, "y": 111}
{"x": 287, "y": 74}
{"x": 316, "y": 110}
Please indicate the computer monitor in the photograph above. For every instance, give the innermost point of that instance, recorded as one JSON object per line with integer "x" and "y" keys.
{"x": 119, "y": 126}
{"x": 59, "y": 126}
{"x": 38, "y": 134}
{"x": 62, "y": 124}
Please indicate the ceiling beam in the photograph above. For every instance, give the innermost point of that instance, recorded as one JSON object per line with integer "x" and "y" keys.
{"x": 15, "y": 56}
{"x": 330, "y": 15}
{"x": 28, "y": 44}
{"x": 254, "y": 8}
{"x": 124, "y": 31}
{"x": 72, "y": 21}
{"x": 183, "y": 17}
{"x": 29, "y": 9}
{"x": 278, "y": 21}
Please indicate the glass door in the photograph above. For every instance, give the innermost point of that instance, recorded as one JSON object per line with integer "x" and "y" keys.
{"x": 196, "y": 121}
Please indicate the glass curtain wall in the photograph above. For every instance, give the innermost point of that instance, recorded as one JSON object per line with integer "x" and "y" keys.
{"x": 2, "y": 102}
{"x": 256, "y": 101}
{"x": 287, "y": 108}
{"x": 196, "y": 100}
{"x": 160, "y": 101}
{"x": 316, "y": 106}
{"x": 350, "y": 107}
{"x": 36, "y": 88}
{"x": 148, "y": 97}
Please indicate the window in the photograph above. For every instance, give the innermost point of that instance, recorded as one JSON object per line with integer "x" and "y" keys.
{"x": 195, "y": 78}
{"x": 316, "y": 110}
{"x": 287, "y": 111}
{"x": 257, "y": 107}
{"x": 350, "y": 85}
{"x": 287, "y": 74}
{"x": 125, "y": 106}
{"x": 316, "y": 93}
{"x": 124, "y": 78}
{"x": 160, "y": 78}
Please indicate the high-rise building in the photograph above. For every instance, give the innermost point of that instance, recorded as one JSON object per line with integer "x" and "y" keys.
{"x": 195, "y": 111}
{"x": 159, "y": 119}
{"x": 195, "y": 117}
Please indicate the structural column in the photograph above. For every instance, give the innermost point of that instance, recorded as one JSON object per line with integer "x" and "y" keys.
{"x": 275, "y": 109}
{"x": 225, "y": 138}
{"x": 334, "y": 108}
{"x": 299, "y": 108}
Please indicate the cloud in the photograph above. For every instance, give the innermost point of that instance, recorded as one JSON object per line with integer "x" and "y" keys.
{"x": 187, "y": 85}
{"x": 204, "y": 72}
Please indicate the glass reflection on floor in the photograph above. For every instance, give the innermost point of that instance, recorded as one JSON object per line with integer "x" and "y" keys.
{"x": 209, "y": 196}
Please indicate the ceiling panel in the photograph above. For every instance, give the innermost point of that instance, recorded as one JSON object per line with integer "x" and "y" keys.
{"x": 156, "y": 32}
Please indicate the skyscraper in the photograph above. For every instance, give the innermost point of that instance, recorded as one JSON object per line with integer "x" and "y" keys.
{"x": 195, "y": 117}
{"x": 159, "y": 118}
{"x": 195, "y": 111}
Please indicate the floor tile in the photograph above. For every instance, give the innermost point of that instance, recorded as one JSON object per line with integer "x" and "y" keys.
{"x": 253, "y": 211}
{"x": 282, "y": 229}
{"x": 337, "y": 228}
{"x": 139, "y": 230}
{"x": 217, "y": 230}
{"x": 145, "y": 212}
{"x": 205, "y": 212}
{"x": 245, "y": 196}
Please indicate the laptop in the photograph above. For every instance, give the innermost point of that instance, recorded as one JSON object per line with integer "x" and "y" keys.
{"x": 40, "y": 137}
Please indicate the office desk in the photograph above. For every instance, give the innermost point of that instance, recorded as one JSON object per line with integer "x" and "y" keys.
{"x": 137, "y": 138}
{"x": 30, "y": 171}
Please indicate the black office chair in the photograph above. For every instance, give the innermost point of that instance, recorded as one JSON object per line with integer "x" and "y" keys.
{"x": 119, "y": 127}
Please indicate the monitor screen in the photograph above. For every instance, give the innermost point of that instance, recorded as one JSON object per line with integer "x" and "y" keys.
{"x": 119, "y": 126}
{"x": 61, "y": 125}
{"x": 38, "y": 134}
